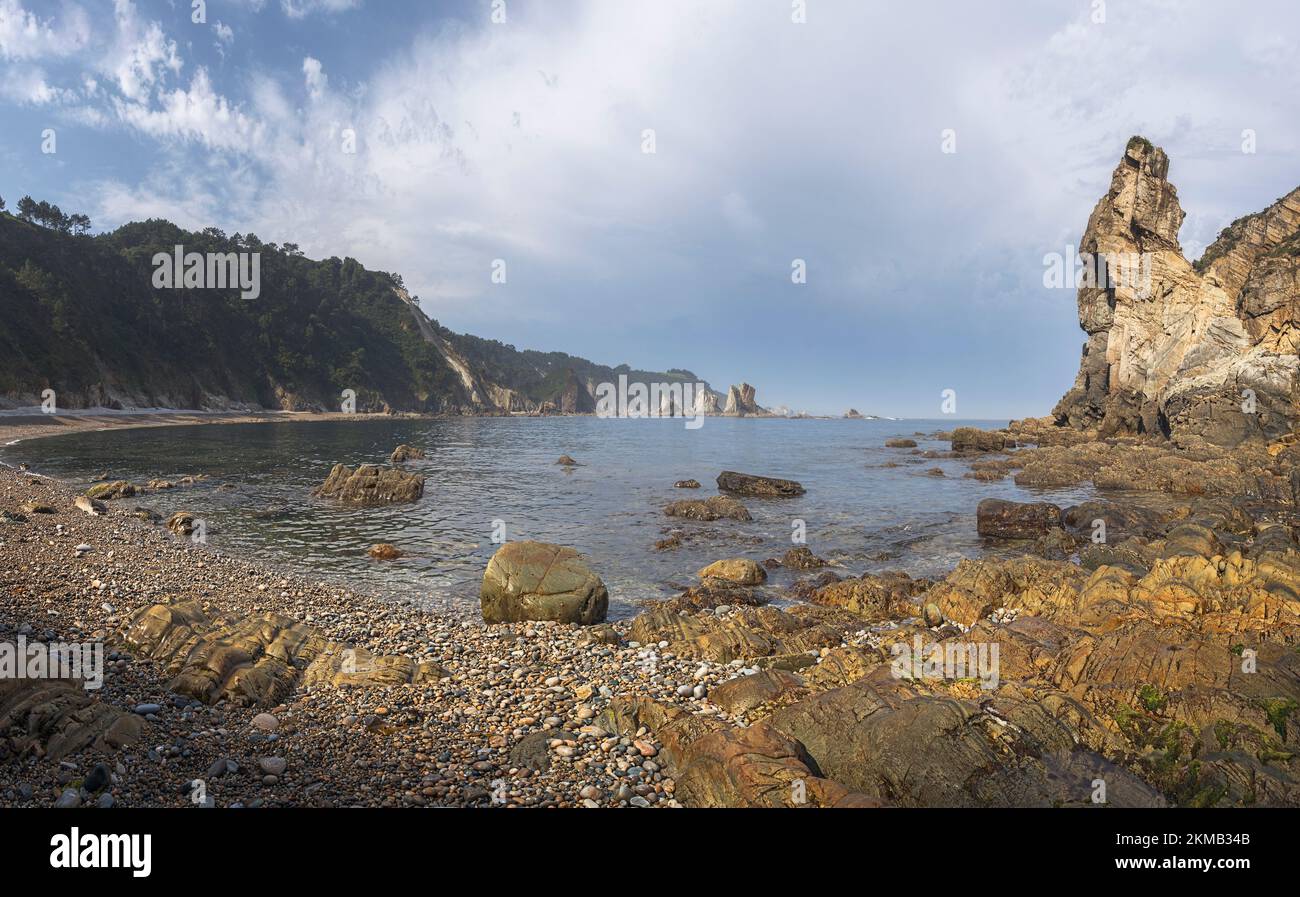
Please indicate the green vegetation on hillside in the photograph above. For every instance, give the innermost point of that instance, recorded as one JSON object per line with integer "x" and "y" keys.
{"x": 83, "y": 317}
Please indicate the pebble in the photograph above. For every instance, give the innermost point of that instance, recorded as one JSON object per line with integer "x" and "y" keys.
{"x": 273, "y": 766}
{"x": 267, "y": 722}
{"x": 97, "y": 779}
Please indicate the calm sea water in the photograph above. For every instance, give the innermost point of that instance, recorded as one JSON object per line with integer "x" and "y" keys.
{"x": 859, "y": 512}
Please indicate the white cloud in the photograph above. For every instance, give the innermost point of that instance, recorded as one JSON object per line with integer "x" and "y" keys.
{"x": 23, "y": 35}
{"x": 774, "y": 141}
{"x": 196, "y": 113}
{"x": 27, "y": 86}
{"x": 299, "y": 9}
{"x": 315, "y": 77}
{"x": 141, "y": 54}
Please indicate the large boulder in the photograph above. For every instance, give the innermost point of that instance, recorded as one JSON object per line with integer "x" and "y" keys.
{"x": 371, "y": 485}
{"x": 540, "y": 581}
{"x": 759, "y": 487}
{"x": 1000, "y": 519}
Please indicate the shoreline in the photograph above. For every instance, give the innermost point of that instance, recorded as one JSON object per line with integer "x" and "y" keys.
{"x": 18, "y": 428}
{"x": 712, "y": 698}
{"x": 442, "y": 742}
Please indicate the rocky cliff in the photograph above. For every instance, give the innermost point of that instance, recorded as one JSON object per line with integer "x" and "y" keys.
{"x": 1180, "y": 349}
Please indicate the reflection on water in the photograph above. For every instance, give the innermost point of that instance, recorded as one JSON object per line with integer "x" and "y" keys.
{"x": 859, "y": 512}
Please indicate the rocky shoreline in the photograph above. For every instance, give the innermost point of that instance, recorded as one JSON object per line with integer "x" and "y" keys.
{"x": 474, "y": 729}
{"x": 1156, "y": 665}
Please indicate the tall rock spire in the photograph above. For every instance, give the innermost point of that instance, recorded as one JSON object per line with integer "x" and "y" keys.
{"x": 1174, "y": 350}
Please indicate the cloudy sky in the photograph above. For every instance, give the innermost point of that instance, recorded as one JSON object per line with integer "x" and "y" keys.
{"x": 432, "y": 138}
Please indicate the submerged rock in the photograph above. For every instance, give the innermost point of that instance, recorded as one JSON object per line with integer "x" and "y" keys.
{"x": 404, "y": 453}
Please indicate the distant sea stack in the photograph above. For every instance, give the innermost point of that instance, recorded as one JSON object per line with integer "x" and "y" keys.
{"x": 1187, "y": 350}
{"x": 741, "y": 403}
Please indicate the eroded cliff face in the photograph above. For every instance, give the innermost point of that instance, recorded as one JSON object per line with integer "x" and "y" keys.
{"x": 1206, "y": 350}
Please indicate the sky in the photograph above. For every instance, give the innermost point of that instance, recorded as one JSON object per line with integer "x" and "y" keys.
{"x": 917, "y": 160}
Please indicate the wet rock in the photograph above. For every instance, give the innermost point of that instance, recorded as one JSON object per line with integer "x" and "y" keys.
{"x": 687, "y": 484}
{"x": 900, "y": 443}
{"x": 757, "y": 486}
{"x": 404, "y": 453}
{"x": 371, "y": 485}
{"x": 972, "y": 440}
{"x": 1118, "y": 522}
{"x": 110, "y": 491}
{"x": 182, "y": 523}
{"x": 1000, "y": 519}
{"x": 717, "y": 507}
{"x": 804, "y": 589}
{"x": 801, "y": 558}
{"x": 385, "y": 552}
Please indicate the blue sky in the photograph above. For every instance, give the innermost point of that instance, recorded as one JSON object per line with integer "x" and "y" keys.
{"x": 522, "y": 140}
